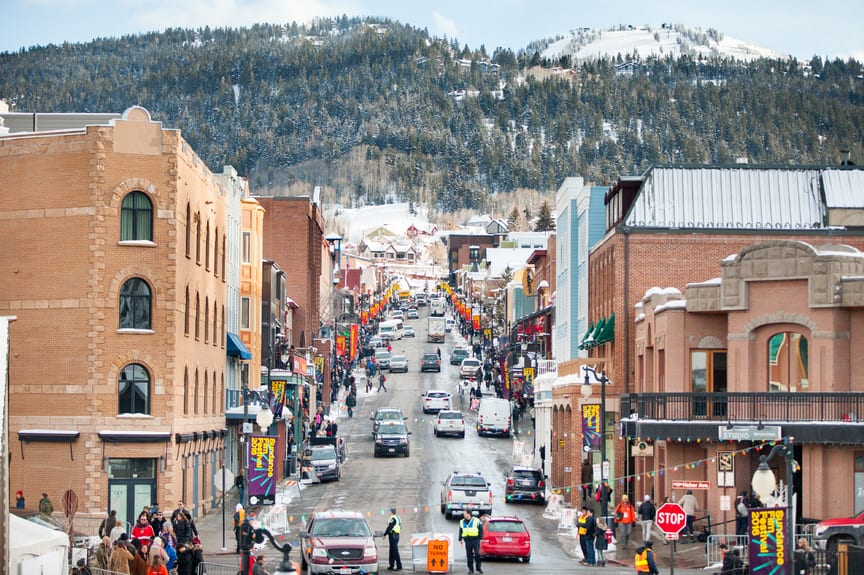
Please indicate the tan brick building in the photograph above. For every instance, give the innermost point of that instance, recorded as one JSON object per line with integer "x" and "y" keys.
{"x": 114, "y": 263}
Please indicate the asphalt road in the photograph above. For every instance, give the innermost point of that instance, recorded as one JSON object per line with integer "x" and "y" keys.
{"x": 413, "y": 484}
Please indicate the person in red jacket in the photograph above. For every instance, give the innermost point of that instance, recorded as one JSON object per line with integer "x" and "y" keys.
{"x": 143, "y": 531}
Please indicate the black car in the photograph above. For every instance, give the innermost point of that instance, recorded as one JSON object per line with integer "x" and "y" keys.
{"x": 430, "y": 362}
{"x": 525, "y": 484}
{"x": 392, "y": 439}
{"x": 324, "y": 460}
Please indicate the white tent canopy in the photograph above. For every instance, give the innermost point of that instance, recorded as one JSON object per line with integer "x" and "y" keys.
{"x": 34, "y": 549}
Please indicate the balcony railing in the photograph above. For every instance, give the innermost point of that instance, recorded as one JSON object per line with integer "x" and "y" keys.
{"x": 731, "y": 407}
{"x": 234, "y": 398}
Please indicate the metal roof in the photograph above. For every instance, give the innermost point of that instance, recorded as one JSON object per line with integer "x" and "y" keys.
{"x": 744, "y": 197}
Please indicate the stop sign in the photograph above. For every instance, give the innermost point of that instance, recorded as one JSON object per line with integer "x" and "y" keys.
{"x": 671, "y": 518}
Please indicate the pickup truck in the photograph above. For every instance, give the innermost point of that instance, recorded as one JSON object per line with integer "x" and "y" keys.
{"x": 828, "y": 533}
{"x": 463, "y": 491}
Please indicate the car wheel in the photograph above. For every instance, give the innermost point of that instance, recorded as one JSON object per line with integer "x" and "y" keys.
{"x": 443, "y": 510}
{"x": 376, "y": 453}
{"x": 303, "y": 565}
{"x": 436, "y": 433}
{"x": 462, "y": 435}
{"x": 526, "y": 559}
{"x": 407, "y": 452}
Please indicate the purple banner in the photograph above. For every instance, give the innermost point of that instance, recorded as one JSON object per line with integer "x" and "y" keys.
{"x": 262, "y": 470}
{"x": 591, "y": 425}
{"x": 767, "y": 547}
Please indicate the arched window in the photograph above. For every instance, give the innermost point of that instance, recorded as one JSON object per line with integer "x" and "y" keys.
{"x": 188, "y": 231}
{"x": 186, "y": 312}
{"x": 216, "y": 334}
{"x": 198, "y": 238}
{"x": 788, "y": 362}
{"x": 135, "y": 304}
{"x": 197, "y": 316}
{"x": 207, "y": 248}
{"x": 136, "y": 217}
{"x": 224, "y": 258}
{"x": 206, "y": 390}
{"x": 216, "y": 253}
{"x": 186, "y": 391}
{"x": 216, "y": 396}
{"x": 133, "y": 390}
{"x": 195, "y": 395}
{"x": 207, "y": 319}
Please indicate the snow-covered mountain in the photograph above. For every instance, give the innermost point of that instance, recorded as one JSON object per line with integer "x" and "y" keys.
{"x": 644, "y": 42}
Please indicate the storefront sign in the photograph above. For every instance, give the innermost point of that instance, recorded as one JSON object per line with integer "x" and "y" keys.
{"x": 704, "y": 485}
{"x": 591, "y": 425}
{"x": 768, "y": 553}
{"x": 748, "y": 433}
{"x": 262, "y": 469}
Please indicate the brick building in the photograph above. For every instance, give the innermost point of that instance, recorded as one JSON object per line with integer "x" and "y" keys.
{"x": 114, "y": 264}
{"x": 670, "y": 227}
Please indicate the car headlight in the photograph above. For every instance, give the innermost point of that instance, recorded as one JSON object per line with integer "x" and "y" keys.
{"x": 370, "y": 551}
{"x": 378, "y": 441}
{"x": 319, "y": 552}
{"x": 403, "y": 442}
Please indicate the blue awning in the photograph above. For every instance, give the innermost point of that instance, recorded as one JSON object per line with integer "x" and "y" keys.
{"x": 236, "y": 348}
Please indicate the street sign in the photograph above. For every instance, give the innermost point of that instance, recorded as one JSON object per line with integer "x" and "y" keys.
{"x": 217, "y": 478}
{"x": 437, "y": 555}
{"x": 671, "y": 518}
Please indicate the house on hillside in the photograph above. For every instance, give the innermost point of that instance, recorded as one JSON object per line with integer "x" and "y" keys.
{"x": 400, "y": 252}
{"x": 422, "y": 228}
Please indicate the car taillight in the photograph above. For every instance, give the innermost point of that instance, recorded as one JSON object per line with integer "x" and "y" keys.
{"x": 450, "y": 495}
{"x": 491, "y": 498}
{"x": 540, "y": 483}
{"x": 510, "y": 481}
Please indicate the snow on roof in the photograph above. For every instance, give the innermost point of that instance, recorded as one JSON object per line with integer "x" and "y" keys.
{"x": 501, "y": 258}
{"x": 661, "y": 291}
{"x": 674, "y": 304}
{"x": 356, "y": 223}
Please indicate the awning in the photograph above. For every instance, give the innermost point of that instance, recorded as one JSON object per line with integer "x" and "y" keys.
{"x": 236, "y": 348}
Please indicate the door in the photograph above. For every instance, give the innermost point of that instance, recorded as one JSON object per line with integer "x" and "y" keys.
{"x": 708, "y": 374}
{"x": 131, "y": 487}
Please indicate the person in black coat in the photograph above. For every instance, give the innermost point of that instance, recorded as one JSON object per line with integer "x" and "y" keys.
{"x": 184, "y": 558}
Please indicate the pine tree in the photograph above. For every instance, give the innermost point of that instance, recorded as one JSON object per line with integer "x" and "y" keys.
{"x": 544, "y": 222}
{"x": 513, "y": 219}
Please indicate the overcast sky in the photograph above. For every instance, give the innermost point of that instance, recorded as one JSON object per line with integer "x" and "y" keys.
{"x": 795, "y": 27}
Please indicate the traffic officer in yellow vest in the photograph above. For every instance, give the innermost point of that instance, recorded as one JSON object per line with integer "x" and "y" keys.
{"x": 470, "y": 532}
{"x": 645, "y": 559}
{"x": 394, "y": 528}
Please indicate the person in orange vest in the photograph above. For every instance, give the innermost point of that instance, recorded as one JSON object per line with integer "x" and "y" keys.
{"x": 645, "y": 559}
{"x": 625, "y": 518}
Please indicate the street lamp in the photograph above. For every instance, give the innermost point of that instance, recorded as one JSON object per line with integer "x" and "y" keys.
{"x": 586, "y": 393}
{"x": 764, "y": 483}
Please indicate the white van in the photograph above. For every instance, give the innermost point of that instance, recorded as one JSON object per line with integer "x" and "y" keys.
{"x": 391, "y": 329}
{"x": 494, "y": 417}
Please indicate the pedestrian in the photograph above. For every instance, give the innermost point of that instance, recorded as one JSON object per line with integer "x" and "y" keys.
{"x": 157, "y": 566}
{"x": 588, "y": 532}
{"x": 240, "y": 484}
{"x": 381, "y": 380}
{"x": 439, "y": 353}
{"x": 804, "y": 560}
{"x": 143, "y": 531}
{"x": 646, "y": 513}
{"x": 581, "y": 531}
{"x": 601, "y": 543}
{"x": 19, "y": 500}
{"x": 184, "y": 558}
{"x": 108, "y": 523}
{"x": 117, "y": 531}
{"x": 45, "y": 505}
{"x": 120, "y": 558}
{"x": 258, "y": 567}
{"x": 688, "y": 503}
{"x": 81, "y": 568}
{"x": 239, "y": 517}
{"x": 103, "y": 554}
{"x": 625, "y": 517}
{"x": 157, "y": 520}
{"x": 741, "y": 513}
{"x": 351, "y": 402}
{"x": 394, "y": 528}
{"x": 644, "y": 560}
{"x": 140, "y": 562}
{"x": 183, "y": 529}
{"x": 733, "y": 565}
{"x": 470, "y": 532}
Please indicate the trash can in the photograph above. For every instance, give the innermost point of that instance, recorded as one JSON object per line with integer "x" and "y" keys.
{"x": 290, "y": 465}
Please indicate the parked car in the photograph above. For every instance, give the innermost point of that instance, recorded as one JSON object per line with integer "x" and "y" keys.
{"x": 338, "y": 542}
{"x": 376, "y": 342}
{"x": 457, "y": 355}
{"x": 449, "y": 423}
{"x": 412, "y": 313}
{"x": 470, "y": 367}
{"x": 463, "y": 491}
{"x": 434, "y": 400}
{"x": 324, "y": 460}
{"x": 525, "y": 484}
{"x": 382, "y": 358}
{"x": 383, "y": 414}
{"x": 392, "y": 439}
{"x": 506, "y": 537}
{"x": 408, "y": 331}
{"x": 398, "y": 363}
{"x": 430, "y": 362}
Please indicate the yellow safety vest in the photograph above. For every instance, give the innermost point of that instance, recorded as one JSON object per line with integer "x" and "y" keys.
{"x": 397, "y": 528}
{"x": 642, "y": 562}
{"x": 582, "y": 529}
{"x": 471, "y": 528}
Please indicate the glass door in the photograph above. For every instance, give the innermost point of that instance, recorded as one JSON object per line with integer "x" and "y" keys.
{"x": 131, "y": 487}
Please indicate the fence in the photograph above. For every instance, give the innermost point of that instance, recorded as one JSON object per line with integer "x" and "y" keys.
{"x": 217, "y": 569}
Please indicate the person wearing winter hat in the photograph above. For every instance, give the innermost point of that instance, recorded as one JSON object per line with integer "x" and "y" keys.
{"x": 644, "y": 560}
{"x": 646, "y": 513}
{"x": 19, "y": 500}
{"x": 239, "y": 517}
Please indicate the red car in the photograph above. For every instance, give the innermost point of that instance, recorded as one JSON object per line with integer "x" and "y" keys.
{"x": 506, "y": 538}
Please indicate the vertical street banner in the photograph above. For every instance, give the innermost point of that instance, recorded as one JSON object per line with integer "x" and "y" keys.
{"x": 340, "y": 345}
{"x": 364, "y": 317}
{"x": 591, "y": 425}
{"x": 355, "y": 340}
{"x": 262, "y": 469}
{"x": 278, "y": 387}
{"x": 767, "y": 546}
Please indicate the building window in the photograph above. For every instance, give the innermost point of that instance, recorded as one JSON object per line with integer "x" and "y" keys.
{"x": 215, "y": 324}
{"x": 186, "y": 312}
{"x": 135, "y": 304}
{"x": 186, "y": 391}
{"x": 206, "y": 390}
{"x": 247, "y": 247}
{"x": 788, "y": 367}
{"x": 197, "y": 316}
{"x": 207, "y": 248}
{"x": 134, "y": 390}
{"x": 195, "y": 395}
{"x": 245, "y": 319}
{"x": 188, "y": 231}
{"x": 198, "y": 238}
{"x": 216, "y": 253}
{"x": 222, "y": 333}
{"x": 136, "y": 217}
{"x": 207, "y": 319}
{"x": 708, "y": 375}
{"x": 224, "y": 258}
